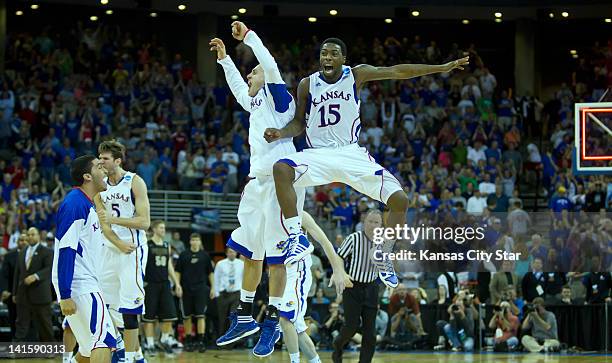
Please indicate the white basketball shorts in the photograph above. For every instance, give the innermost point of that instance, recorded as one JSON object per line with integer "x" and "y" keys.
{"x": 351, "y": 165}
{"x": 91, "y": 324}
{"x": 262, "y": 232}
{"x": 122, "y": 279}
{"x": 299, "y": 280}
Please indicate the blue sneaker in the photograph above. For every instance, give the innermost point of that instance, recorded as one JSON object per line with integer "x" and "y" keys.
{"x": 237, "y": 330}
{"x": 386, "y": 270}
{"x": 297, "y": 247}
{"x": 270, "y": 334}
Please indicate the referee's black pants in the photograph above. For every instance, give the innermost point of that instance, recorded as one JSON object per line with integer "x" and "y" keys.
{"x": 360, "y": 305}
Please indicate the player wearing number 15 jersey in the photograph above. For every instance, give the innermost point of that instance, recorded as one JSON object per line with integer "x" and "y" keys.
{"x": 328, "y": 109}
{"x": 126, "y": 205}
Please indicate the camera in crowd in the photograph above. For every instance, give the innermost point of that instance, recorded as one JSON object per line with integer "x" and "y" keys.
{"x": 529, "y": 308}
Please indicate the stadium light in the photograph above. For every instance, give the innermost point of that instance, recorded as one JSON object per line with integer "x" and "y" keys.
{"x": 312, "y": 19}
{"x": 608, "y": 20}
{"x": 333, "y": 12}
{"x": 416, "y": 13}
{"x": 104, "y": 2}
{"x": 575, "y": 56}
{"x": 109, "y": 12}
{"x": 242, "y": 10}
{"x": 388, "y": 20}
{"x": 19, "y": 13}
{"x": 234, "y": 17}
{"x": 565, "y": 14}
{"x": 551, "y": 15}
{"x": 34, "y": 6}
{"x": 498, "y": 20}
{"x": 153, "y": 15}
{"x": 498, "y": 14}
{"x": 573, "y": 51}
{"x": 182, "y": 7}
{"x": 93, "y": 18}
{"x": 465, "y": 21}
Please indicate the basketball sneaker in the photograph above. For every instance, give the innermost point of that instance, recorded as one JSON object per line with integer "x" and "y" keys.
{"x": 237, "y": 330}
{"x": 270, "y": 334}
{"x": 386, "y": 270}
{"x": 118, "y": 356}
{"x": 297, "y": 247}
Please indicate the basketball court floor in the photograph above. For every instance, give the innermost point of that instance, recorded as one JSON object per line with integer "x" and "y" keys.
{"x": 219, "y": 356}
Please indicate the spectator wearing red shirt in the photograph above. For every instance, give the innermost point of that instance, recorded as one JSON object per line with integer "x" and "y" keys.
{"x": 17, "y": 172}
{"x": 506, "y": 326}
{"x": 403, "y": 300}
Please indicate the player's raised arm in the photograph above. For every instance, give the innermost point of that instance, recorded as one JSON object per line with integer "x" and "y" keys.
{"x": 339, "y": 277}
{"x": 272, "y": 76}
{"x": 236, "y": 83}
{"x": 107, "y": 231}
{"x": 142, "y": 217}
{"x": 298, "y": 124}
{"x": 365, "y": 72}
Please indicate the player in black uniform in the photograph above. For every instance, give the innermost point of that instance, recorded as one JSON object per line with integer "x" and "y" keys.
{"x": 159, "y": 302}
{"x": 195, "y": 271}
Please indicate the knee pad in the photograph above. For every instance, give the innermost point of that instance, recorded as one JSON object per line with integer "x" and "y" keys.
{"x": 130, "y": 321}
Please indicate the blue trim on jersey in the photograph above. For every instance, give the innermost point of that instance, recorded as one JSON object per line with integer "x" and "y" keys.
{"x": 93, "y": 320}
{"x": 74, "y": 207}
{"x": 302, "y": 282}
{"x": 132, "y": 197}
{"x": 110, "y": 340}
{"x": 355, "y": 92}
{"x": 136, "y": 311}
{"x": 79, "y": 250}
{"x": 289, "y": 315}
{"x": 65, "y": 271}
{"x": 280, "y": 95}
{"x": 379, "y": 172}
{"x": 239, "y": 248}
{"x": 277, "y": 260}
{"x": 142, "y": 268}
{"x": 308, "y": 103}
{"x": 288, "y": 161}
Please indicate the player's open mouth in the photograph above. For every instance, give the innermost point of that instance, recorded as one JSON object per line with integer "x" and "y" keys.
{"x": 328, "y": 69}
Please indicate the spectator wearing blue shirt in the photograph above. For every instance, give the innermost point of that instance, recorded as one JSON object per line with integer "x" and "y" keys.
{"x": 7, "y": 187}
{"x": 217, "y": 177}
{"x": 560, "y": 202}
{"x": 147, "y": 171}
{"x": 344, "y": 214}
{"x": 63, "y": 171}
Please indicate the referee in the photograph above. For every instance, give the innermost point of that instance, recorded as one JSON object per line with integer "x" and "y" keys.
{"x": 361, "y": 301}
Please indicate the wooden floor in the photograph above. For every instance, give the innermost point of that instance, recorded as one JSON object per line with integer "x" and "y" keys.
{"x": 213, "y": 356}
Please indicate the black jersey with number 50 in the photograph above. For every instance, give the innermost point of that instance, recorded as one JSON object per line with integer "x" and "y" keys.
{"x": 157, "y": 262}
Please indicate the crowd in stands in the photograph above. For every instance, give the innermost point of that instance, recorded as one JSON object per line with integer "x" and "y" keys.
{"x": 464, "y": 147}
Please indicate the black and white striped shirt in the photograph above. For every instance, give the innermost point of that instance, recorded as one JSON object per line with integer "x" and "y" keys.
{"x": 358, "y": 247}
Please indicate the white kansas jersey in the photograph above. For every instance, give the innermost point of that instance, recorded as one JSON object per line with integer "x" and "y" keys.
{"x": 119, "y": 202}
{"x": 332, "y": 111}
{"x": 78, "y": 247}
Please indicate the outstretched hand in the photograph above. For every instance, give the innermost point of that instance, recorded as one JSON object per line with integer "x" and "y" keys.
{"x": 457, "y": 64}
{"x": 272, "y": 135}
{"x": 216, "y": 45}
{"x": 239, "y": 30}
{"x": 340, "y": 281}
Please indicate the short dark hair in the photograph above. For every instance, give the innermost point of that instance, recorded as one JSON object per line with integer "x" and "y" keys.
{"x": 114, "y": 148}
{"x": 338, "y": 42}
{"x": 195, "y": 235}
{"x": 80, "y": 166}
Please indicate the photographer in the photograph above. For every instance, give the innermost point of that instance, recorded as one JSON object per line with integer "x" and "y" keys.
{"x": 334, "y": 323}
{"x": 506, "y": 326}
{"x": 543, "y": 325}
{"x": 460, "y": 329}
{"x": 404, "y": 302}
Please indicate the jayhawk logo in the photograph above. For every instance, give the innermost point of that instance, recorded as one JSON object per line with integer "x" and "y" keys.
{"x": 138, "y": 300}
{"x": 290, "y": 304}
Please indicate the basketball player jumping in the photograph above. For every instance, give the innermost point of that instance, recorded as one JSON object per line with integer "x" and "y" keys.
{"x": 328, "y": 108}
{"x": 261, "y": 232}
{"x": 126, "y": 204}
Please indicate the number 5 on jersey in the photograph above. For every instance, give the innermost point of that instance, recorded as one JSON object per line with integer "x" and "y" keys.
{"x": 334, "y": 115}
{"x": 116, "y": 210}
